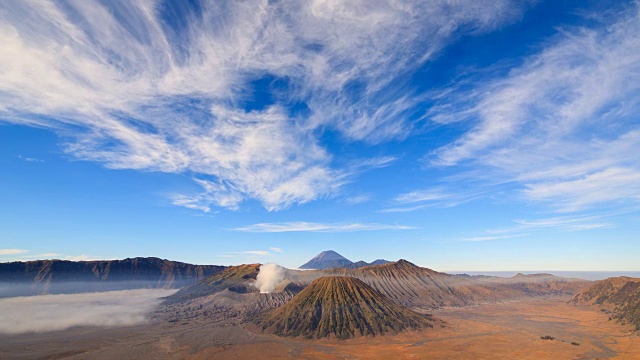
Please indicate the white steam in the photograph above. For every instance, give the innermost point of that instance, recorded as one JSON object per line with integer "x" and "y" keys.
{"x": 44, "y": 313}
{"x": 269, "y": 276}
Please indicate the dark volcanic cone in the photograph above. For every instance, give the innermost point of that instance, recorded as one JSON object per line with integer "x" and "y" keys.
{"x": 341, "y": 307}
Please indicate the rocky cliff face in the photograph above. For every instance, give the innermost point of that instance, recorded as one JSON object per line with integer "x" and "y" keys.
{"x": 61, "y": 276}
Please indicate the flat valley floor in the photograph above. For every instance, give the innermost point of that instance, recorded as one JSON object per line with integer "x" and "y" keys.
{"x": 511, "y": 330}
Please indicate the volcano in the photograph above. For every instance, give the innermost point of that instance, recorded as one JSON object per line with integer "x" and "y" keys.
{"x": 326, "y": 260}
{"x": 341, "y": 307}
{"x": 332, "y": 260}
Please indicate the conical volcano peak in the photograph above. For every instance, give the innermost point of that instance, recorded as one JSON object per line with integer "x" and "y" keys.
{"x": 326, "y": 260}
{"x": 330, "y": 259}
{"x": 329, "y": 255}
{"x": 341, "y": 307}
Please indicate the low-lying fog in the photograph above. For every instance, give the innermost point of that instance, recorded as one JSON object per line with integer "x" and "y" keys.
{"x": 58, "y": 312}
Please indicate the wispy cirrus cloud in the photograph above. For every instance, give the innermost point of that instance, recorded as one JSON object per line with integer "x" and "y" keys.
{"x": 562, "y": 124}
{"x": 136, "y": 89}
{"x": 566, "y": 223}
{"x": 30, "y": 159}
{"x": 490, "y": 238}
{"x": 434, "y": 197}
{"x": 358, "y": 199}
{"x": 318, "y": 227}
{"x": 271, "y": 251}
{"x": 26, "y": 255}
{"x": 523, "y": 227}
{"x": 12, "y": 251}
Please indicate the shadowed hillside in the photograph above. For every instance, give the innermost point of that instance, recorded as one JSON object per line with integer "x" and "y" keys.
{"x": 341, "y": 307}
{"x": 620, "y": 295}
{"x": 237, "y": 279}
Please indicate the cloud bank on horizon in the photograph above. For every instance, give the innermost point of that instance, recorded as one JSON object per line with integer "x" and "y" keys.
{"x": 44, "y": 313}
{"x": 287, "y": 103}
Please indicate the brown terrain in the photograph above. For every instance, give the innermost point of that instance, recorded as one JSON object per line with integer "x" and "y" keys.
{"x": 510, "y": 330}
{"x": 225, "y": 317}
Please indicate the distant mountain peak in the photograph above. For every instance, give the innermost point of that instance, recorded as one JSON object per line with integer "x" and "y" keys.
{"x": 329, "y": 255}
{"x": 330, "y": 259}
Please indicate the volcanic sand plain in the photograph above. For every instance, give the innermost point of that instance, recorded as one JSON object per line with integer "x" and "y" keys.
{"x": 510, "y": 330}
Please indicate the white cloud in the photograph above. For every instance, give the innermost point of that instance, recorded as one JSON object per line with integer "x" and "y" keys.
{"x": 255, "y": 252}
{"x": 437, "y": 196}
{"x": 318, "y": 227}
{"x": 423, "y": 196}
{"x": 49, "y": 256}
{"x": 490, "y": 238}
{"x": 582, "y": 222}
{"x": 358, "y": 199}
{"x": 275, "y": 249}
{"x": 45, "y": 255}
{"x": 12, "y": 251}
{"x": 19, "y": 315}
{"x": 599, "y": 187}
{"x": 30, "y": 159}
{"x": 562, "y": 124}
{"x": 81, "y": 258}
{"x": 525, "y": 227}
{"x": 136, "y": 93}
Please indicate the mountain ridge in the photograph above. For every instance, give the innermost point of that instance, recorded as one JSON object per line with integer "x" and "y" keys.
{"x": 65, "y": 276}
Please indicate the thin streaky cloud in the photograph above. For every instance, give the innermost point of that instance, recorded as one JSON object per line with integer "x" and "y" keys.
{"x": 255, "y": 252}
{"x": 563, "y": 223}
{"x": 30, "y": 159}
{"x": 12, "y": 251}
{"x": 434, "y": 197}
{"x": 404, "y": 209}
{"x": 491, "y": 238}
{"x": 318, "y": 227}
{"x": 133, "y": 91}
{"x": 358, "y": 199}
{"x": 560, "y": 125}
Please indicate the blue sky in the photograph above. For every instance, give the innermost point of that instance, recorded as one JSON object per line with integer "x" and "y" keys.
{"x": 491, "y": 135}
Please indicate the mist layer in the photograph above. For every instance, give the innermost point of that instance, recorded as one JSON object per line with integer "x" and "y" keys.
{"x": 45, "y": 313}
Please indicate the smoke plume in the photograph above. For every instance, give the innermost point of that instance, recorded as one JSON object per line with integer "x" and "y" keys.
{"x": 269, "y": 276}
{"x": 59, "y": 312}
